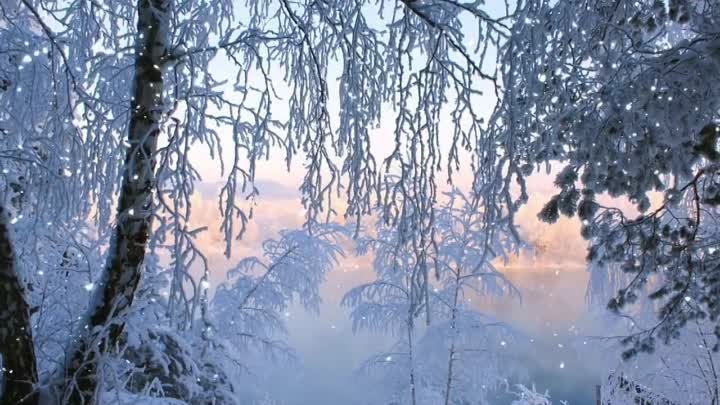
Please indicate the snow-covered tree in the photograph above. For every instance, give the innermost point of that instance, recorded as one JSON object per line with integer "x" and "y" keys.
{"x": 48, "y": 250}
{"x": 119, "y": 95}
{"x": 460, "y": 355}
{"x": 617, "y": 94}
{"x": 102, "y": 105}
{"x": 684, "y": 372}
{"x": 251, "y": 308}
{"x": 469, "y": 246}
{"x": 389, "y": 305}
{"x": 529, "y": 396}
{"x": 221, "y": 359}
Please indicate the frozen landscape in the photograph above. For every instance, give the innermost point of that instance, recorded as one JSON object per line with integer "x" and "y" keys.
{"x": 359, "y": 202}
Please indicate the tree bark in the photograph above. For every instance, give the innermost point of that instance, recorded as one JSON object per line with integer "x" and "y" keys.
{"x": 123, "y": 269}
{"x": 19, "y": 373}
{"x": 453, "y": 327}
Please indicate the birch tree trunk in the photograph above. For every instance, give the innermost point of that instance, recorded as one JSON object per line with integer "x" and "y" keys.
{"x": 19, "y": 373}
{"x": 413, "y": 395}
{"x": 123, "y": 269}
{"x": 453, "y": 330}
